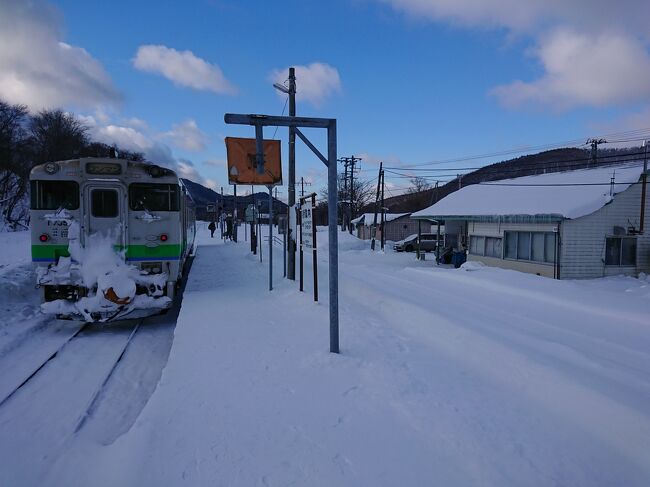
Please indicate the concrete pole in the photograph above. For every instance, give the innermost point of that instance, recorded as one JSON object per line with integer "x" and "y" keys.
{"x": 291, "y": 241}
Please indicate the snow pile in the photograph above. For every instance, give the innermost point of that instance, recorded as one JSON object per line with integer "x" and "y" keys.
{"x": 61, "y": 215}
{"x": 369, "y": 218}
{"x": 111, "y": 281}
{"x": 148, "y": 217}
{"x": 472, "y": 265}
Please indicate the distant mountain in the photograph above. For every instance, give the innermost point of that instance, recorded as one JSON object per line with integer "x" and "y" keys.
{"x": 203, "y": 196}
{"x": 556, "y": 160}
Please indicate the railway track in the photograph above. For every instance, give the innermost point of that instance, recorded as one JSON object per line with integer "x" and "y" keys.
{"x": 83, "y": 328}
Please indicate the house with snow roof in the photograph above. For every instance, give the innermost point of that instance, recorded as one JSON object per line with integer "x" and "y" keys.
{"x": 575, "y": 224}
{"x": 396, "y": 226}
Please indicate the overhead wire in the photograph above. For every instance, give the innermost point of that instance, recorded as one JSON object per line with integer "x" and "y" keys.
{"x": 640, "y": 134}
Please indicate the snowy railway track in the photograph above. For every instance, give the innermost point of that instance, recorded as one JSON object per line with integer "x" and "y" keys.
{"x": 83, "y": 328}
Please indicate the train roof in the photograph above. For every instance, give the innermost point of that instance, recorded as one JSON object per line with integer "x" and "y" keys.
{"x": 100, "y": 167}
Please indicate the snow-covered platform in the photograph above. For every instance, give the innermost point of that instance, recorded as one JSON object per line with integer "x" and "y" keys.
{"x": 446, "y": 377}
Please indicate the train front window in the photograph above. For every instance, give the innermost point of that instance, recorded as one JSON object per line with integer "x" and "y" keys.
{"x": 53, "y": 195}
{"x": 153, "y": 197}
{"x": 104, "y": 203}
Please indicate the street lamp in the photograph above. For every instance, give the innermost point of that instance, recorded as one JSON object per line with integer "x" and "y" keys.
{"x": 281, "y": 88}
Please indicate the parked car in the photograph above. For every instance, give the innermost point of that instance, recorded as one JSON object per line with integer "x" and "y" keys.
{"x": 410, "y": 243}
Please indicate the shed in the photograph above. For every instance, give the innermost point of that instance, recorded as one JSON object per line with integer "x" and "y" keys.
{"x": 396, "y": 225}
{"x": 573, "y": 224}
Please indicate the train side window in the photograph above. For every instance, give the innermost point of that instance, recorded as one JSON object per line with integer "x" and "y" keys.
{"x": 52, "y": 195}
{"x": 154, "y": 197}
{"x": 104, "y": 203}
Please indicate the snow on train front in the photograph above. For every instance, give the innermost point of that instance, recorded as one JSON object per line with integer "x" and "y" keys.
{"x": 110, "y": 237}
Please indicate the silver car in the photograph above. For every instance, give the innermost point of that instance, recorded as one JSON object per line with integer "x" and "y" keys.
{"x": 409, "y": 244}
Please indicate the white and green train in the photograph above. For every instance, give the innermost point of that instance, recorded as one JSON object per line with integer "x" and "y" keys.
{"x": 142, "y": 210}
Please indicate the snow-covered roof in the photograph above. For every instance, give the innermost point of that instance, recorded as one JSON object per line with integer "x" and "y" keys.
{"x": 368, "y": 218}
{"x": 551, "y": 196}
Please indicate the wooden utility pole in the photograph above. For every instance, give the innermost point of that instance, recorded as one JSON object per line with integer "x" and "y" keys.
{"x": 644, "y": 178}
{"x": 594, "y": 149}
{"x": 345, "y": 191}
{"x": 291, "y": 240}
{"x": 352, "y": 160}
{"x": 374, "y": 220}
{"x": 302, "y": 186}
{"x": 383, "y": 212}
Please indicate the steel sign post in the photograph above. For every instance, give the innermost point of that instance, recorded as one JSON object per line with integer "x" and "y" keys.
{"x": 259, "y": 121}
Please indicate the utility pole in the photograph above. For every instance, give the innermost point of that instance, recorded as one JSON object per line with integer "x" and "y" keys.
{"x": 383, "y": 212}
{"x": 344, "y": 160}
{"x": 644, "y": 178}
{"x": 594, "y": 149}
{"x": 223, "y": 207}
{"x": 302, "y": 186}
{"x": 352, "y": 212}
{"x": 234, "y": 213}
{"x": 348, "y": 163}
{"x": 291, "y": 241}
{"x": 374, "y": 222}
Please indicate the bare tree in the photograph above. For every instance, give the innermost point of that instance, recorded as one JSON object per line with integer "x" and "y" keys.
{"x": 56, "y": 135}
{"x": 14, "y": 165}
{"x": 363, "y": 194}
{"x": 418, "y": 184}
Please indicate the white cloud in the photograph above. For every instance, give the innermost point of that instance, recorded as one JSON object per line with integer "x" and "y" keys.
{"x": 187, "y": 135}
{"x": 154, "y": 150}
{"x": 583, "y": 69}
{"x": 186, "y": 169}
{"x": 40, "y": 70}
{"x": 183, "y": 68}
{"x": 215, "y": 162}
{"x": 530, "y": 15}
{"x": 591, "y": 55}
{"x": 314, "y": 82}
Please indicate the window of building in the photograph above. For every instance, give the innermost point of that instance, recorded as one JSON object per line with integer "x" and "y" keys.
{"x": 104, "y": 203}
{"x": 511, "y": 245}
{"x": 153, "y": 197}
{"x": 493, "y": 247}
{"x": 620, "y": 251}
{"x": 476, "y": 245}
{"x": 52, "y": 195}
{"x": 488, "y": 246}
{"x": 532, "y": 246}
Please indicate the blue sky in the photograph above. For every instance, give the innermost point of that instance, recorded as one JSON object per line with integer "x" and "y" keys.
{"x": 418, "y": 80}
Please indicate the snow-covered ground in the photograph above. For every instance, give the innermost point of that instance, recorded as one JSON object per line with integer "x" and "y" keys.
{"x": 474, "y": 376}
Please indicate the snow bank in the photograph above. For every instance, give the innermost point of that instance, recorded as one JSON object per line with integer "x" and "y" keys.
{"x": 446, "y": 377}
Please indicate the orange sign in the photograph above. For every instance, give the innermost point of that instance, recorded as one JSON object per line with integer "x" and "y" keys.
{"x": 242, "y": 163}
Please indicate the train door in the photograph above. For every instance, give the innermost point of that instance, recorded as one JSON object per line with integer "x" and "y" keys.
{"x": 106, "y": 211}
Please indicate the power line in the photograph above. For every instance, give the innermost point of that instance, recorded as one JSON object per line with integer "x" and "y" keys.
{"x": 641, "y": 133}
{"x": 621, "y": 160}
{"x": 286, "y": 100}
{"x": 522, "y": 165}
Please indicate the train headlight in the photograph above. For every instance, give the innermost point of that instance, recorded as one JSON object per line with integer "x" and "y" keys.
{"x": 163, "y": 237}
{"x": 44, "y": 237}
{"x": 51, "y": 167}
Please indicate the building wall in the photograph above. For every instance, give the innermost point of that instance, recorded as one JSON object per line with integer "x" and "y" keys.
{"x": 485, "y": 229}
{"x": 583, "y": 239}
{"x": 403, "y": 227}
{"x": 395, "y": 230}
{"x": 582, "y": 248}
